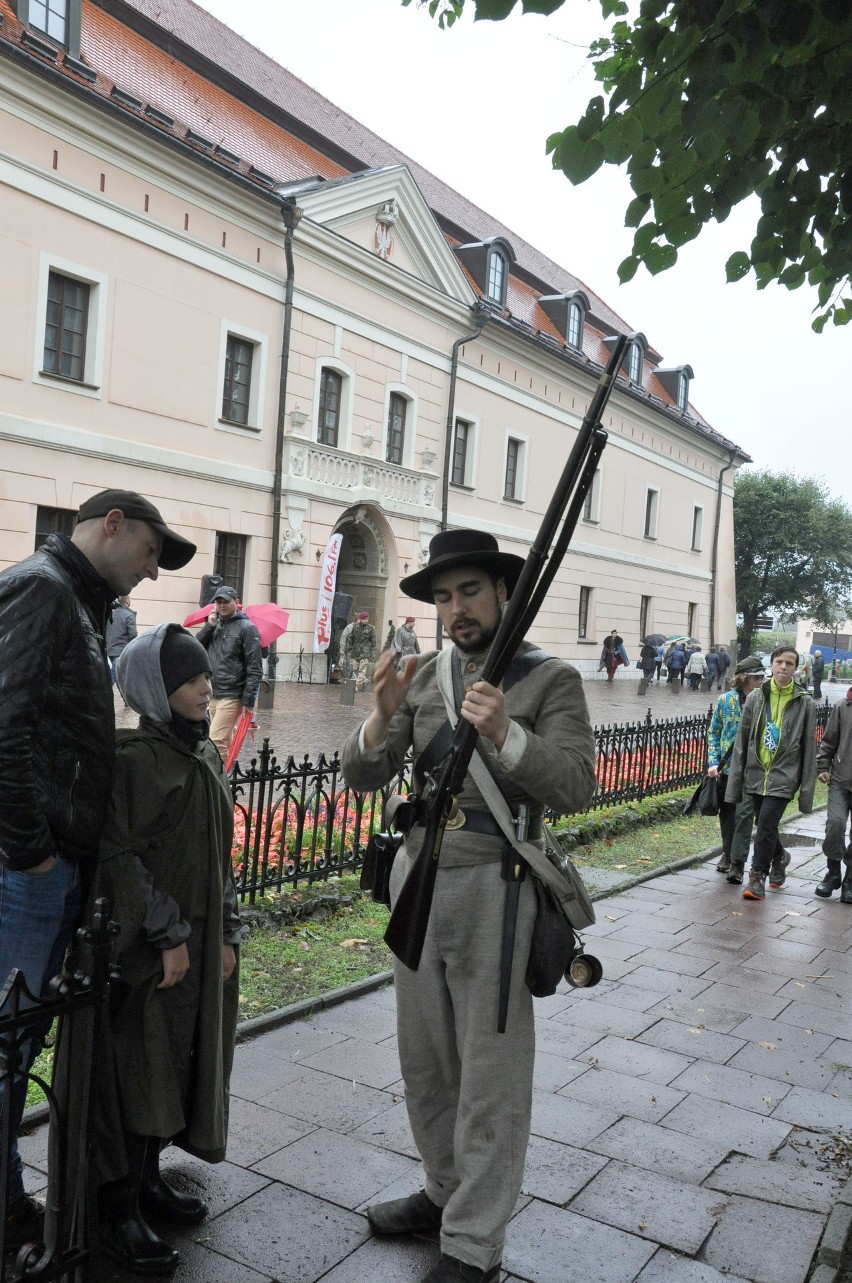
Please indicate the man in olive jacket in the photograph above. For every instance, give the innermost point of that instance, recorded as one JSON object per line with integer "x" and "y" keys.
{"x": 834, "y": 764}
{"x": 774, "y": 758}
{"x": 57, "y": 743}
{"x": 468, "y": 1088}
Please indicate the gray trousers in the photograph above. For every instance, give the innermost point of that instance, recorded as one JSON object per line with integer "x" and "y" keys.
{"x": 837, "y": 816}
{"x": 468, "y": 1089}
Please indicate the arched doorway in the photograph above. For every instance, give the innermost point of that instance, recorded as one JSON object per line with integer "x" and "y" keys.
{"x": 362, "y": 571}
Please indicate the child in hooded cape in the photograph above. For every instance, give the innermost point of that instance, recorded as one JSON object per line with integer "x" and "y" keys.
{"x": 165, "y": 866}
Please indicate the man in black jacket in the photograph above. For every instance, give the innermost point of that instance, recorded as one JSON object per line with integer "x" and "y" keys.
{"x": 233, "y": 644}
{"x": 57, "y": 732}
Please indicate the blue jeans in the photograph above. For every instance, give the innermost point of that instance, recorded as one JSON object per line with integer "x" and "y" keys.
{"x": 38, "y": 913}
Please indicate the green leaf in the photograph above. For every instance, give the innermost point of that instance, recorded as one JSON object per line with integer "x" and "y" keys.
{"x": 578, "y": 159}
{"x": 737, "y": 266}
{"x": 590, "y": 122}
{"x": 644, "y": 238}
{"x": 681, "y": 230}
{"x": 659, "y": 258}
{"x": 493, "y": 10}
{"x": 636, "y": 211}
{"x": 627, "y": 269}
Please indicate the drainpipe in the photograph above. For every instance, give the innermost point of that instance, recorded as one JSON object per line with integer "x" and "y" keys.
{"x": 291, "y": 214}
{"x": 481, "y": 314}
{"x": 715, "y": 557}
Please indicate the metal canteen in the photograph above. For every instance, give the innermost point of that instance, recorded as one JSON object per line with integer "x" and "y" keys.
{"x": 583, "y": 971}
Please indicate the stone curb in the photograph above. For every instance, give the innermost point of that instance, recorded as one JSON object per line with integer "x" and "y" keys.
{"x": 835, "y": 1248}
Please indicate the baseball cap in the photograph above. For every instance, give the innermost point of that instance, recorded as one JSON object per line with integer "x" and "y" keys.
{"x": 176, "y": 552}
{"x": 226, "y": 593}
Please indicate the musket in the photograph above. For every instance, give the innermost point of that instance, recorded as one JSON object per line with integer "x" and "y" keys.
{"x": 406, "y": 930}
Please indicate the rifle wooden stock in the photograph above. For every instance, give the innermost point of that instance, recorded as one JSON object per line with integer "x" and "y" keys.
{"x": 406, "y": 930}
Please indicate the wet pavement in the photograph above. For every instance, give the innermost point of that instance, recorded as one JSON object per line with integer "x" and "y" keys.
{"x": 688, "y": 1122}
{"x": 312, "y": 719}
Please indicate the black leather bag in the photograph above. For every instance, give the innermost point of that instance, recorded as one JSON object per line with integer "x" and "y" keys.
{"x": 378, "y": 861}
{"x": 553, "y": 944}
{"x": 706, "y": 798}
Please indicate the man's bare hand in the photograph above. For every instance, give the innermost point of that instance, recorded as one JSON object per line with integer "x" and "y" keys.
{"x": 485, "y": 708}
{"x": 229, "y": 960}
{"x": 389, "y": 690}
{"x": 825, "y": 776}
{"x": 175, "y": 966}
{"x": 712, "y": 771}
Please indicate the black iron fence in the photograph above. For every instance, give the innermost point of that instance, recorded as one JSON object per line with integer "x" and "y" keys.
{"x": 300, "y": 822}
{"x": 77, "y": 999}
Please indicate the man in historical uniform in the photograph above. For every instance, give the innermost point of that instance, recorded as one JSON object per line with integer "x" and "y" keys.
{"x": 469, "y": 1088}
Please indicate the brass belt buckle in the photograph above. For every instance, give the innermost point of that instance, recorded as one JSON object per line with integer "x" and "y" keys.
{"x": 456, "y": 818}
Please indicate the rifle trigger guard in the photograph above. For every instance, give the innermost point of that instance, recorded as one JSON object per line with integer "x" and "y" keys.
{"x": 456, "y": 816}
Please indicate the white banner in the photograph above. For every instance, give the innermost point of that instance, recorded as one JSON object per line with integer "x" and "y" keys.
{"x": 328, "y": 579}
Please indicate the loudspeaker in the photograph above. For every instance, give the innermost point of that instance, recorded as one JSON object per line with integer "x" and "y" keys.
{"x": 340, "y": 608}
{"x": 210, "y": 584}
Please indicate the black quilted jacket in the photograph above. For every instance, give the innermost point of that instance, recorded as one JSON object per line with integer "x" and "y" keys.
{"x": 57, "y": 726}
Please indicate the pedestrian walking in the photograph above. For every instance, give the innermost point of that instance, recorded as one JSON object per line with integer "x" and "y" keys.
{"x": 724, "y": 665}
{"x": 468, "y": 1088}
{"x": 817, "y": 670}
{"x": 736, "y": 819}
{"x": 658, "y": 662}
{"x": 774, "y": 758}
{"x": 165, "y": 867}
{"x": 696, "y": 667}
{"x": 405, "y": 642}
{"x": 676, "y": 663}
{"x": 834, "y": 766}
{"x": 711, "y": 659}
{"x": 648, "y": 660}
{"x": 361, "y": 649}
{"x": 120, "y": 629}
{"x": 233, "y": 645}
{"x": 57, "y": 739}
{"x": 613, "y": 654}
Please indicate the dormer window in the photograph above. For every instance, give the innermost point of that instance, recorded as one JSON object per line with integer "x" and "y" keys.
{"x": 676, "y": 382}
{"x": 489, "y": 263}
{"x": 575, "y": 325}
{"x": 634, "y": 363}
{"x": 59, "y": 20}
{"x": 568, "y": 314}
{"x": 496, "y": 290}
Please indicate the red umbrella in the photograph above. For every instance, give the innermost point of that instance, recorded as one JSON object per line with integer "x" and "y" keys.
{"x": 269, "y": 620}
{"x": 241, "y": 729}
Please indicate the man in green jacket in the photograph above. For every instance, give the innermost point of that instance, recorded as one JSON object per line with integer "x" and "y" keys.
{"x": 774, "y": 758}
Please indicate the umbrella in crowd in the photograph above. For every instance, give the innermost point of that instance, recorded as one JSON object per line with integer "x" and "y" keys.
{"x": 682, "y": 637}
{"x": 269, "y": 620}
{"x": 654, "y": 639}
{"x": 241, "y": 729}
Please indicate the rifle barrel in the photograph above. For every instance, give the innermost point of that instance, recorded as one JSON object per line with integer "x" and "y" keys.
{"x": 406, "y": 929}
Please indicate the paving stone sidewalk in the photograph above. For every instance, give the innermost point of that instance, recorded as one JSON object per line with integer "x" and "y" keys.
{"x": 688, "y": 1120}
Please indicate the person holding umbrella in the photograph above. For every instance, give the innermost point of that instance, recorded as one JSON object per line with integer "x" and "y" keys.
{"x": 233, "y": 645}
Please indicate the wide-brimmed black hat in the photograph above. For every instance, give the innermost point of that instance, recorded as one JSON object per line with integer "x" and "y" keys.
{"x": 451, "y": 548}
{"x": 176, "y": 552}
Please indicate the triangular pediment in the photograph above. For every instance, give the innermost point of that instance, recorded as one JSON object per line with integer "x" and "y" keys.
{"x": 384, "y": 213}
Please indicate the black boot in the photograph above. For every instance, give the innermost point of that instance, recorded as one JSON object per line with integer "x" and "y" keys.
{"x": 124, "y": 1234}
{"x": 831, "y": 881}
{"x": 158, "y": 1199}
{"x": 846, "y": 889}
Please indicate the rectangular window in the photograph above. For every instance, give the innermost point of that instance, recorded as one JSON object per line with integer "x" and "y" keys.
{"x": 592, "y": 505}
{"x": 512, "y": 477}
{"x": 396, "y": 428}
{"x": 236, "y": 394}
{"x": 461, "y": 447}
{"x": 644, "y": 618}
{"x": 51, "y": 17}
{"x": 328, "y": 427}
{"x": 496, "y": 277}
{"x": 583, "y": 616}
{"x": 230, "y": 559}
{"x": 652, "y": 505}
{"x": 692, "y": 619}
{"x": 53, "y": 521}
{"x": 697, "y": 528}
{"x": 66, "y": 324}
